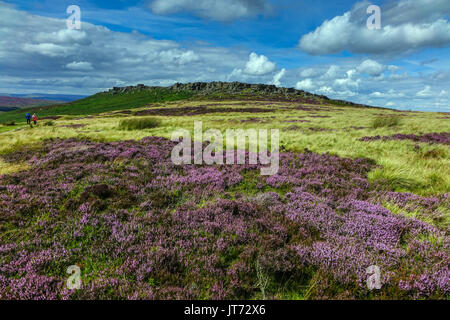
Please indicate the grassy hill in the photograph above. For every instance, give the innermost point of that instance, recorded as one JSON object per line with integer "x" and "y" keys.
{"x": 140, "y": 95}
{"x": 356, "y": 186}
{"x": 99, "y": 103}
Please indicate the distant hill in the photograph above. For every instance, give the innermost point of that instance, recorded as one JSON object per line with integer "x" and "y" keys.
{"x": 13, "y": 103}
{"x": 46, "y": 96}
{"x": 120, "y": 98}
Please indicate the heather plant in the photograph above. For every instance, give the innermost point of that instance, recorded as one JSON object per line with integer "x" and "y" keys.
{"x": 443, "y": 138}
{"x": 140, "y": 227}
{"x": 398, "y": 159}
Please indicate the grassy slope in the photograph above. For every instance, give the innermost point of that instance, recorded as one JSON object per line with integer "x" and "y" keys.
{"x": 403, "y": 167}
{"x": 98, "y": 103}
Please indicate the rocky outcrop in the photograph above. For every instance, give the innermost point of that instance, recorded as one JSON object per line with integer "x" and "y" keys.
{"x": 220, "y": 89}
{"x": 207, "y": 88}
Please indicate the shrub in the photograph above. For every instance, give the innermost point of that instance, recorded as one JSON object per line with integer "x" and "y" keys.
{"x": 139, "y": 124}
{"x": 384, "y": 121}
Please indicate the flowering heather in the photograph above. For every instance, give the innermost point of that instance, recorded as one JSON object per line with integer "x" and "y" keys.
{"x": 442, "y": 138}
{"x": 140, "y": 227}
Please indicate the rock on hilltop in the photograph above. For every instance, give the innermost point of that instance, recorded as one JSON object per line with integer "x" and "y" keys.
{"x": 208, "y": 88}
{"x": 220, "y": 89}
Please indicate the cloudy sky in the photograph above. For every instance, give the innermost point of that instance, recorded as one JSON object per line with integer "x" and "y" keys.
{"x": 324, "y": 48}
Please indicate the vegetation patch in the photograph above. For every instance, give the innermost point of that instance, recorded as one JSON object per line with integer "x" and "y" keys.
{"x": 139, "y": 124}
{"x": 141, "y": 227}
{"x": 442, "y": 138}
{"x": 386, "y": 121}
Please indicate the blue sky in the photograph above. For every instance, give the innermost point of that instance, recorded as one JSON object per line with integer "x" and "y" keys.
{"x": 323, "y": 46}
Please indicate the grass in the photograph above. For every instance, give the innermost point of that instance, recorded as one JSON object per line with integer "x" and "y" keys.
{"x": 384, "y": 121}
{"x": 402, "y": 166}
{"x": 139, "y": 123}
{"x": 99, "y": 103}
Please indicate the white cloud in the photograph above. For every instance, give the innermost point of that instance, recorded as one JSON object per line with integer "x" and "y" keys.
{"x": 277, "y": 77}
{"x": 371, "y": 67}
{"x": 221, "y": 10}
{"x": 425, "y": 92}
{"x": 80, "y": 66}
{"x": 39, "y": 54}
{"x": 46, "y": 60}
{"x": 306, "y": 85}
{"x": 377, "y": 94}
{"x": 348, "y": 82}
{"x": 396, "y": 76}
{"x": 310, "y": 73}
{"x": 259, "y": 65}
{"x": 47, "y": 49}
{"x": 390, "y": 94}
{"x": 332, "y": 72}
{"x": 398, "y": 34}
{"x": 326, "y": 91}
{"x": 64, "y": 36}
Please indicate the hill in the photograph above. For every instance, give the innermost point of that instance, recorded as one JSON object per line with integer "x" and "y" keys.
{"x": 13, "y": 103}
{"x": 119, "y": 98}
{"x": 356, "y": 186}
{"x": 46, "y": 96}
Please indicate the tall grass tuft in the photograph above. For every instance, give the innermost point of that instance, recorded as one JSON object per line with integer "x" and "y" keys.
{"x": 139, "y": 124}
{"x": 386, "y": 121}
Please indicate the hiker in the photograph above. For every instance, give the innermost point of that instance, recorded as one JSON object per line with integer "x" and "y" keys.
{"x": 34, "y": 118}
{"x": 28, "y": 117}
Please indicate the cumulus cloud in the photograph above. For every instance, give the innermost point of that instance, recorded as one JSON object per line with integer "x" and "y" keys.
{"x": 332, "y": 72}
{"x": 39, "y": 54}
{"x": 95, "y": 58}
{"x": 349, "y": 82}
{"x": 277, "y": 77}
{"x": 406, "y": 26}
{"x": 390, "y": 94}
{"x": 306, "y": 85}
{"x": 259, "y": 65}
{"x": 371, "y": 67}
{"x": 390, "y": 104}
{"x": 426, "y": 92}
{"x": 80, "y": 66}
{"x": 310, "y": 73}
{"x": 221, "y": 10}
{"x": 46, "y": 49}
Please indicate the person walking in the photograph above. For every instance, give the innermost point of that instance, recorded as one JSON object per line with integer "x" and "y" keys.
{"x": 34, "y": 118}
{"x": 28, "y": 117}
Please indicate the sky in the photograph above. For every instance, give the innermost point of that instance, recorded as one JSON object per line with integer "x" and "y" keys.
{"x": 324, "y": 47}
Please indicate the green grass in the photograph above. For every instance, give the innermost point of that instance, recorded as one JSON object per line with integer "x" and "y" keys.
{"x": 402, "y": 167}
{"x": 139, "y": 123}
{"x": 99, "y": 103}
{"x": 384, "y": 121}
